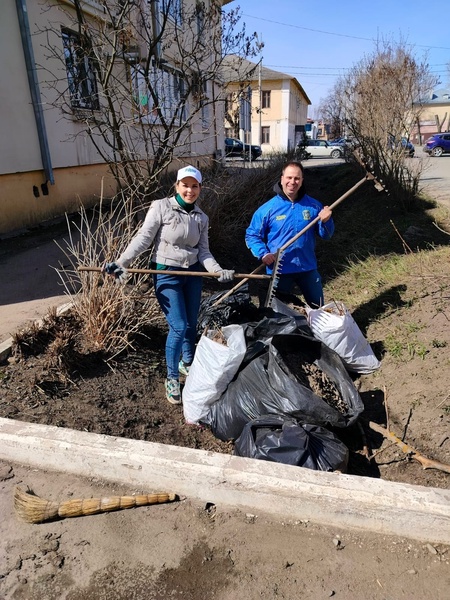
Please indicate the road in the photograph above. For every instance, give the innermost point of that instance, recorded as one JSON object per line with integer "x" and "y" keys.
{"x": 435, "y": 178}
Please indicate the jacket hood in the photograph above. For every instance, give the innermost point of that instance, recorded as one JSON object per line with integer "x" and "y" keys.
{"x": 279, "y": 191}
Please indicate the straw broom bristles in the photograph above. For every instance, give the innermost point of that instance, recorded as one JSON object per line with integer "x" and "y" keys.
{"x": 32, "y": 509}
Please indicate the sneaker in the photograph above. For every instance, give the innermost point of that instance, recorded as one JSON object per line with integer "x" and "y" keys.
{"x": 173, "y": 393}
{"x": 184, "y": 368}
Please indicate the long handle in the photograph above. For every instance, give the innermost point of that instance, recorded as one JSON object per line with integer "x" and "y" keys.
{"x": 314, "y": 221}
{"x": 293, "y": 239}
{"x": 187, "y": 273}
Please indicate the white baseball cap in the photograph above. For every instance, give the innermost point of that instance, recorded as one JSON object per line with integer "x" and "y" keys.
{"x": 189, "y": 171}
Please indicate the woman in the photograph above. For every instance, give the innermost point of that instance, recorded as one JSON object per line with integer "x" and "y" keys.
{"x": 178, "y": 230}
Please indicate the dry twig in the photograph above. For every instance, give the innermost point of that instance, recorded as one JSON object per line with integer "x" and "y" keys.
{"x": 427, "y": 463}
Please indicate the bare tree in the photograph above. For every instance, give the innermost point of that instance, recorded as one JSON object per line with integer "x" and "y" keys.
{"x": 144, "y": 78}
{"x": 378, "y": 104}
{"x": 440, "y": 124}
{"x": 332, "y": 110}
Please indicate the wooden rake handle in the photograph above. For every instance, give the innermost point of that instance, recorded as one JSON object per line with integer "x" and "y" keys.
{"x": 187, "y": 273}
{"x": 367, "y": 177}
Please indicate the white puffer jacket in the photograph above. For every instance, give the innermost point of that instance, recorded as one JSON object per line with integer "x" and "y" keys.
{"x": 180, "y": 238}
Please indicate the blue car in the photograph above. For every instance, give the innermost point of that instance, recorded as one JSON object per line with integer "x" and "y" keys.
{"x": 408, "y": 147}
{"x": 438, "y": 144}
{"x": 404, "y": 143}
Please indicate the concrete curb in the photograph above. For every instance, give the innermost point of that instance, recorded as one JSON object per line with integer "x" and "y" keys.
{"x": 5, "y": 349}
{"x": 283, "y": 491}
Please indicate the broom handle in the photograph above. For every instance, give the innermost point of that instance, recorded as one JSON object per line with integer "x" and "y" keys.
{"x": 292, "y": 240}
{"x": 188, "y": 273}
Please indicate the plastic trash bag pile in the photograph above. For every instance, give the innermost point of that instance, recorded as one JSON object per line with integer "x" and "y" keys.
{"x": 271, "y": 380}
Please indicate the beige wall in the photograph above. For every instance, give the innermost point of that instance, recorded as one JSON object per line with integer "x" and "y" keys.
{"x": 287, "y": 109}
{"x": 428, "y": 125}
{"x": 74, "y": 186}
{"x": 77, "y": 165}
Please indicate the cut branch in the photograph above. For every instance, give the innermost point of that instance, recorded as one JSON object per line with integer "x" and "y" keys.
{"x": 427, "y": 463}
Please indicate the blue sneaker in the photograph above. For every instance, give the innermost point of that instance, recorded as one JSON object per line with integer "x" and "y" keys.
{"x": 173, "y": 393}
{"x": 183, "y": 368}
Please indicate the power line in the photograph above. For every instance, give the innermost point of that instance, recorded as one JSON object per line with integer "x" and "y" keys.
{"x": 328, "y": 68}
{"x": 294, "y": 72}
{"x": 354, "y": 37}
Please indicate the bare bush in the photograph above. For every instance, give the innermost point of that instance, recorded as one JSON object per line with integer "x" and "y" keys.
{"x": 231, "y": 196}
{"x": 378, "y": 104}
{"x": 110, "y": 314}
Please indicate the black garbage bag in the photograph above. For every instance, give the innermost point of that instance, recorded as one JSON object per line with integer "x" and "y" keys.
{"x": 237, "y": 308}
{"x": 302, "y": 322}
{"x": 260, "y": 333}
{"x": 267, "y": 386}
{"x": 284, "y": 440}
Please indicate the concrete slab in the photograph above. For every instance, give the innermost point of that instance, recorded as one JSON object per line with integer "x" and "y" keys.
{"x": 257, "y": 486}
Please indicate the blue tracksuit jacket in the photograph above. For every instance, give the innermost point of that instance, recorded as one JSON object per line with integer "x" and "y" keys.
{"x": 278, "y": 220}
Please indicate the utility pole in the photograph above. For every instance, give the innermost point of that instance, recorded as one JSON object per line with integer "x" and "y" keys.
{"x": 260, "y": 103}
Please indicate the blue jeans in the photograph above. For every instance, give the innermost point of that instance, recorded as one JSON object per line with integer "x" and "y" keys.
{"x": 179, "y": 298}
{"x": 310, "y": 284}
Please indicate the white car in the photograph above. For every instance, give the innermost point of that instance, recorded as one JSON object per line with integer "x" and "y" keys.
{"x": 319, "y": 149}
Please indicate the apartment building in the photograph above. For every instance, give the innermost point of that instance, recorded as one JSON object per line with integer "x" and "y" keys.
{"x": 278, "y": 105}
{"x": 66, "y": 140}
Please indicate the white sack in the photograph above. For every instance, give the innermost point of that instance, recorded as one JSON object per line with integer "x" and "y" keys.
{"x": 212, "y": 369}
{"x": 335, "y": 327}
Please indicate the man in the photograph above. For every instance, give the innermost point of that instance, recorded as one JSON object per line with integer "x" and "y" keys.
{"x": 280, "y": 219}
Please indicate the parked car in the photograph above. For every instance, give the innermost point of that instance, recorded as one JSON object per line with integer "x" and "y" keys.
{"x": 438, "y": 144}
{"x": 342, "y": 141}
{"x": 406, "y": 145}
{"x": 319, "y": 149}
{"x": 234, "y": 147}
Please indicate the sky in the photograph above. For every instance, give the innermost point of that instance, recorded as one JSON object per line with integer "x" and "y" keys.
{"x": 319, "y": 40}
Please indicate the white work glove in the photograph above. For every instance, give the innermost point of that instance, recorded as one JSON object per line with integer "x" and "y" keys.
{"x": 119, "y": 273}
{"x": 226, "y": 276}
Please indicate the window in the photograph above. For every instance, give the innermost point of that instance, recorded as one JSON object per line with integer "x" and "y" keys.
{"x": 172, "y": 8}
{"x": 158, "y": 91}
{"x": 80, "y": 73}
{"x": 265, "y": 99}
{"x": 265, "y": 135}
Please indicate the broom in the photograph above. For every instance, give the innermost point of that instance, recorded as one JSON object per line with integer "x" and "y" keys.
{"x": 32, "y": 509}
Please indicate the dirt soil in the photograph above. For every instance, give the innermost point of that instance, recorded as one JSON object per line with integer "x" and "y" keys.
{"x": 201, "y": 551}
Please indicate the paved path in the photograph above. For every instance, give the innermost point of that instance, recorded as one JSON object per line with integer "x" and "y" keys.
{"x": 436, "y": 177}
{"x": 30, "y": 284}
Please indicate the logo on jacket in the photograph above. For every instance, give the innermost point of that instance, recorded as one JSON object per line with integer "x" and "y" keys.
{"x": 306, "y": 215}
{"x": 280, "y": 217}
